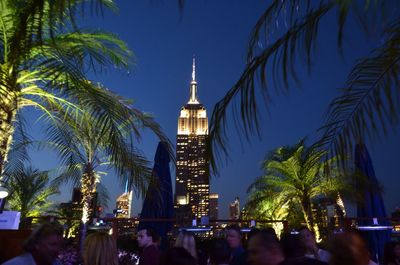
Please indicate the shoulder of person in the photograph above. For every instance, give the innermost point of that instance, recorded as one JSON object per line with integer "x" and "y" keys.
{"x": 24, "y": 259}
{"x": 371, "y": 262}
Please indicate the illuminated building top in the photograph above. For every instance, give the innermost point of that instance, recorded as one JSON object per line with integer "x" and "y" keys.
{"x": 123, "y": 205}
{"x": 193, "y": 117}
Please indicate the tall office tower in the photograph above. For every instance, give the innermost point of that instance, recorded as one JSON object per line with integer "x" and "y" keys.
{"x": 214, "y": 206}
{"x": 192, "y": 168}
{"x": 123, "y": 205}
{"x": 234, "y": 209}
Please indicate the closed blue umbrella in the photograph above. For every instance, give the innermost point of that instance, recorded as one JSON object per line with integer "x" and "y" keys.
{"x": 372, "y": 205}
{"x": 158, "y": 202}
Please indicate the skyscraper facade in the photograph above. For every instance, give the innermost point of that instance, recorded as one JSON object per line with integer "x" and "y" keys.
{"x": 192, "y": 170}
{"x": 214, "y": 206}
{"x": 234, "y": 209}
{"x": 123, "y": 205}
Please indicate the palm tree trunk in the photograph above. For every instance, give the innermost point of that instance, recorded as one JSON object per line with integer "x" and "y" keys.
{"x": 307, "y": 212}
{"x": 88, "y": 184}
{"x": 8, "y": 111}
{"x": 88, "y": 187}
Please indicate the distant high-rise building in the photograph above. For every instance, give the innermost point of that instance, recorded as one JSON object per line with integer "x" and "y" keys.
{"x": 123, "y": 205}
{"x": 76, "y": 201}
{"x": 192, "y": 172}
{"x": 214, "y": 206}
{"x": 234, "y": 209}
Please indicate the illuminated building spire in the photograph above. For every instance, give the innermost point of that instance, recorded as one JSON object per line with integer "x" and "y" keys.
{"x": 193, "y": 85}
{"x": 194, "y": 70}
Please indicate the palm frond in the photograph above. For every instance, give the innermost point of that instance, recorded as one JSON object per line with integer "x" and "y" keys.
{"x": 108, "y": 133}
{"x": 300, "y": 21}
{"x": 30, "y": 190}
{"x": 34, "y": 20}
{"x": 86, "y": 49}
{"x": 302, "y": 32}
{"x": 370, "y": 102}
{"x": 18, "y": 155}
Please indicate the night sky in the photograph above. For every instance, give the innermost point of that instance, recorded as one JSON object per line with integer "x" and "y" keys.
{"x": 164, "y": 41}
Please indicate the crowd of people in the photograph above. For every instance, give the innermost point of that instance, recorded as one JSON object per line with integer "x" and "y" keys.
{"x": 260, "y": 247}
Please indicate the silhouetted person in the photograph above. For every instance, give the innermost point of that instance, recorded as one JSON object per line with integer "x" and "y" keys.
{"x": 348, "y": 249}
{"x": 147, "y": 239}
{"x": 392, "y": 253}
{"x": 186, "y": 240}
{"x": 42, "y": 247}
{"x": 264, "y": 249}
{"x": 177, "y": 256}
{"x": 295, "y": 251}
{"x": 312, "y": 250}
{"x": 234, "y": 239}
{"x": 219, "y": 252}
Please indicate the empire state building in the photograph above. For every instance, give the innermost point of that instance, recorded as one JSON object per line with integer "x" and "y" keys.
{"x": 192, "y": 171}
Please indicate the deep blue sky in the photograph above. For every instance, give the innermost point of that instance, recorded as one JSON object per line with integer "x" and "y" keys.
{"x": 217, "y": 32}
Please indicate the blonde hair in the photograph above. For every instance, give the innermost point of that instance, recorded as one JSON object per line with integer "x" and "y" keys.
{"x": 186, "y": 240}
{"x": 100, "y": 249}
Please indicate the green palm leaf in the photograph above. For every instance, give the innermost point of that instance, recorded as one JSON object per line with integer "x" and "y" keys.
{"x": 369, "y": 104}
{"x": 295, "y": 175}
{"x": 30, "y": 190}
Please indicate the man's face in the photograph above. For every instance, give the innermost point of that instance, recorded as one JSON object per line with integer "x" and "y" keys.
{"x": 233, "y": 238}
{"x": 260, "y": 255}
{"x": 49, "y": 247}
{"x": 143, "y": 239}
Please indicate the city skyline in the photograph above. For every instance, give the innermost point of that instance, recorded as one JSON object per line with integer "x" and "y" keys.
{"x": 164, "y": 42}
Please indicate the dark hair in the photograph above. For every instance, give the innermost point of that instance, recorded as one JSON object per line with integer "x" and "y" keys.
{"x": 177, "y": 256}
{"x": 266, "y": 239}
{"x": 41, "y": 232}
{"x": 292, "y": 246}
{"x": 348, "y": 248}
{"x": 219, "y": 251}
{"x": 389, "y": 256}
{"x": 234, "y": 227}
{"x": 155, "y": 237}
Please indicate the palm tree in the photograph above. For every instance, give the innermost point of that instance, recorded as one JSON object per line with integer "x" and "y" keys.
{"x": 85, "y": 151}
{"x": 367, "y": 105}
{"x": 44, "y": 59}
{"x": 295, "y": 174}
{"x": 30, "y": 190}
{"x": 70, "y": 218}
{"x": 264, "y": 204}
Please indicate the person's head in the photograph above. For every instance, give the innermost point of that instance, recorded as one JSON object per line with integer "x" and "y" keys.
{"x": 308, "y": 238}
{"x": 219, "y": 251}
{"x": 392, "y": 252}
{"x": 264, "y": 249}
{"x": 100, "y": 249}
{"x": 45, "y": 242}
{"x": 233, "y": 236}
{"x": 147, "y": 237}
{"x": 396, "y": 250}
{"x": 348, "y": 249}
{"x": 177, "y": 256}
{"x": 186, "y": 240}
{"x": 292, "y": 246}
